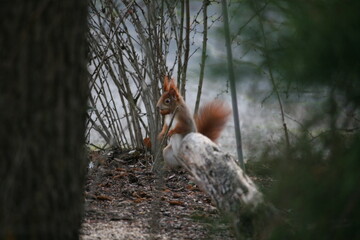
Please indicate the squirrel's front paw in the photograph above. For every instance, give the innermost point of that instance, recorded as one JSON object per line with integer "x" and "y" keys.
{"x": 160, "y": 136}
{"x": 170, "y": 133}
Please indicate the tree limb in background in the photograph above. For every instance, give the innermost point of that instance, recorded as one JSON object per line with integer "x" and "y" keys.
{"x": 232, "y": 85}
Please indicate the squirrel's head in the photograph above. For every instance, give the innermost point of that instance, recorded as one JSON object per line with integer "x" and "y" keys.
{"x": 168, "y": 100}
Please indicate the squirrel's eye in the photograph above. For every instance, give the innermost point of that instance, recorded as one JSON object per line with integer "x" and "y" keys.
{"x": 167, "y": 101}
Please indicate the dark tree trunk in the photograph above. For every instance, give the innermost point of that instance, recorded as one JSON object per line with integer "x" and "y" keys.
{"x": 43, "y": 99}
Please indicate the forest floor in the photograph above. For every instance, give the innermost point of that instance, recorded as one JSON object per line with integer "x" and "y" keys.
{"x": 125, "y": 200}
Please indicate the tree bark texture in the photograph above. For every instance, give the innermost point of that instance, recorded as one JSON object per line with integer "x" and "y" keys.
{"x": 233, "y": 192}
{"x": 43, "y": 99}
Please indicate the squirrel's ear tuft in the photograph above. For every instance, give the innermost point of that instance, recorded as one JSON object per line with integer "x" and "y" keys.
{"x": 166, "y": 84}
{"x": 173, "y": 90}
{"x": 173, "y": 93}
{"x": 173, "y": 84}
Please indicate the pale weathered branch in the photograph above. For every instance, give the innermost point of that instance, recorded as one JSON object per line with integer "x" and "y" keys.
{"x": 233, "y": 192}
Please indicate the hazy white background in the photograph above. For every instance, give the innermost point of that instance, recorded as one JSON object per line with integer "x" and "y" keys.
{"x": 260, "y": 120}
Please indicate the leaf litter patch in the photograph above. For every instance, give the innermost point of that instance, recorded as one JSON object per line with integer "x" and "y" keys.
{"x": 125, "y": 200}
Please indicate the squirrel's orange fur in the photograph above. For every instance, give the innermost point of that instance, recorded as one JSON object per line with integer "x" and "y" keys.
{"x": 210, "y": 120}
{"x": 171, "y": 103}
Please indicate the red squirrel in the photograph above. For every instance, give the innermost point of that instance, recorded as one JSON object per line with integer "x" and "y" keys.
{"x": 210, "y": 120}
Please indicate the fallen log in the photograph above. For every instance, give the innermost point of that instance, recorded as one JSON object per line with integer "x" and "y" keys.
{"x": 234, "y": 193}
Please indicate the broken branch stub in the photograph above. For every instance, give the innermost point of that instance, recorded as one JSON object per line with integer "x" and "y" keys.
{"x": 233, "y": 192}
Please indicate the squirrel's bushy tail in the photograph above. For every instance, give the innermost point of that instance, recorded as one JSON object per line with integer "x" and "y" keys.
{"x": 211, "y": 119}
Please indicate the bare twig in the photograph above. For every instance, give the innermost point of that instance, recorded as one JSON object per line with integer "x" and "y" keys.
{"x": 203, "y": 55}
{"x": 272, "y": 79}
{"x": 180, "y": 41}
{"x": 187, "y": 50}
